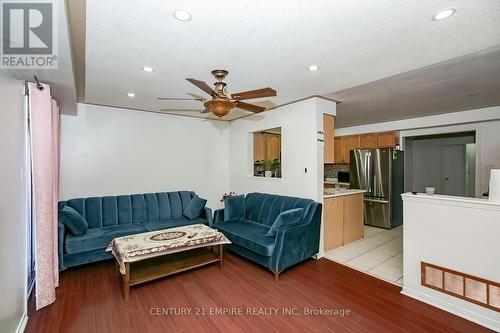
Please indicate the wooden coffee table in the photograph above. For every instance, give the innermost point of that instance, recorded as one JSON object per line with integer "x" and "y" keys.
{"x": 152, "y": 255}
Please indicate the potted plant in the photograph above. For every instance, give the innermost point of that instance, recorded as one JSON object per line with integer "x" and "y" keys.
{"x": 270, "y": 166}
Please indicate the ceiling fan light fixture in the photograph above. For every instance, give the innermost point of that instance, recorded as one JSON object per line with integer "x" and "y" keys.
{"x": 182, "y": 15}
{"x": 313, "y": 68}
{"x": 148, "y": 69}
{"x": 130, "y": 94}
{"x": 219, "y": 107}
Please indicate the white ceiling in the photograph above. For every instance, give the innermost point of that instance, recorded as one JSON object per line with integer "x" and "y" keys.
{"x": 462, "y": 83}
{"x": 270, "y": 43}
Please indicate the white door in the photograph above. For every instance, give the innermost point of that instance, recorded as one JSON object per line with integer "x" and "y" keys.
{"x": 453, "y": 170}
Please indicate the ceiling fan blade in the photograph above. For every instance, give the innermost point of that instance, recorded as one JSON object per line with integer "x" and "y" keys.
{"x": 179, "y": 99}
{"x": 249, "y": 107}
{"x": 206, "y": 111}
{"x": 196, "y": 96}
{"x": 203, "y": 86}
{"x": 264, "y": 92}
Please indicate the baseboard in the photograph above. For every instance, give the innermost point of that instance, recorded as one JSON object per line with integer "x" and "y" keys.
{"x": 22, "y": 323}
{"x": 443, "y": 305}
{"x": 319, "y": 255}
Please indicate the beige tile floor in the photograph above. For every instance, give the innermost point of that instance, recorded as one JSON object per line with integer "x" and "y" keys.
{"x": 379, "y": 253}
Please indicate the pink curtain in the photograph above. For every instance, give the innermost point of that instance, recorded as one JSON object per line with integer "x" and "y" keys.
{"x": 44, "y": 130}
{"x": 56, "y": 141}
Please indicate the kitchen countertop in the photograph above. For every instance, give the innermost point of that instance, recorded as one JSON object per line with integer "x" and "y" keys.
{"x": 449, "y": 200}
{"x": 330, "y": 182}
{"x": 343, "y": 192}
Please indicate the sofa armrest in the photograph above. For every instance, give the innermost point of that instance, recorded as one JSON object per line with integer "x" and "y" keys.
{"x": 296, "y": 243}
{"x": 290, "y": 247}
{"x": 61, "y": 235}
{"x": 208, "y": 215}
{"x": 219, "y": 215}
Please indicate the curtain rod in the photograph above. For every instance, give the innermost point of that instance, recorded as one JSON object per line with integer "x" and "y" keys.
{"x": 35, "y": 80}
{"x": 38, "y": 85}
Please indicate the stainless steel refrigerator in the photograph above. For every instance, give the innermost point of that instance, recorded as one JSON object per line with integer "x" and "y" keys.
{"x": 381, "y": 173}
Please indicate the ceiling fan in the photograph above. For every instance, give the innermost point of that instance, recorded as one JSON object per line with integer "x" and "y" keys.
{"x": 221, "y": 102}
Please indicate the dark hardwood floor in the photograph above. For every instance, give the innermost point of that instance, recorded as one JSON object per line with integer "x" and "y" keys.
{"x": 89, "y": 300}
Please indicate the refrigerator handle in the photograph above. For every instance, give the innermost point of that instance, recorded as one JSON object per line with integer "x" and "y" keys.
{"x": 368, "y": 173}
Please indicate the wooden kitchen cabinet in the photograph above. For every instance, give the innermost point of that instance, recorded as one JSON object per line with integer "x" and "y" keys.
{"x": 353, "y": 218}
{"x": 266, "y": 146}
{"x": 350, "y": 143}
{"x": 369, "y": 141}
{"x": 273, "y": 146}
{"x": 343, "y": 145}
{"x": 329, "y": 138}
{"x": 334, "y": 223}
{"x": 258, "y": 146}
{"x": 343, "y": 220}
{"x": 338, "y": 150}
{"x": 386, "y": 140}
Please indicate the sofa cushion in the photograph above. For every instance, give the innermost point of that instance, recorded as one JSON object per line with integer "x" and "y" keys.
{"x": 179, "y": 222}
{"x": 75, "y": 223}
{"x": 286, "y": 218}
{"x": 99, "y": 238}
{"x": 194, "y": 208}
{"x": 248, "y": 234}
{"x": 234, "y": 208}
{"x": 264, "y": 208}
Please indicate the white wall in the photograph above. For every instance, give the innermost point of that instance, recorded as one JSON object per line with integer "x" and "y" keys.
{"x": 460, "y": 234}
{"x": 300, "y": 150}
{"x": 112, "y": 151}
{"x": 13, "y": 224}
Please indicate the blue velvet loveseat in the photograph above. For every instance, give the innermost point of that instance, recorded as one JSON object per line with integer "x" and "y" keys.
{"x": 291, "y": 244}
{"x": 115, "y": 216}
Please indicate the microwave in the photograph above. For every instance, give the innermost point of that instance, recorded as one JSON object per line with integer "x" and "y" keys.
{"x": 343, "y": 177}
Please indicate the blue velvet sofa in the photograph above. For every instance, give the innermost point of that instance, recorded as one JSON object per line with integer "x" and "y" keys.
{"x": 291, "y": 245}
{"x": 115, "y": 216}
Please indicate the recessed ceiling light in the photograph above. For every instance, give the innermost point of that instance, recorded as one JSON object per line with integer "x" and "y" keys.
{"x": 148, "y": 69}
{"x": 445, "y": 13}
{"x": 182, "y": 15}
{"x": 313, "y": 68}
{"x": 131, "y": 94}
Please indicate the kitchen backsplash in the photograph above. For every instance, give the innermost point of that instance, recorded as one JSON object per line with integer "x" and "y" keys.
{"x": 331, "y": 170}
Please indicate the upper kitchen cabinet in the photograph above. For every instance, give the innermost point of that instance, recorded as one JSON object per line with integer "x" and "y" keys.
{"x": 266, "y": 146}
{"x": 369, "y": 141}
{"x": 329, "y": 138}
{"x": 350, "y": 143}
{"x": 273, "y": 148}
{"x": 343, "y": 146}
{"x": 386, "y": 140}
{"x": 258, "y": 147}
{"x": 338, "y": 149}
